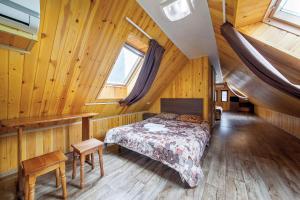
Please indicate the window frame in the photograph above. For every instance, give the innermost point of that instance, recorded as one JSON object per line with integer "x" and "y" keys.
{"x": 226, "y": 95}
{"x": 271, "y": 17}
{"x": 216, "y": 95}
{"x": 134, "y": 68}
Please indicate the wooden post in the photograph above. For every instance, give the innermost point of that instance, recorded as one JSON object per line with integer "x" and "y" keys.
{"x": 86, "y": 128}
{"x": 86, "y": 131}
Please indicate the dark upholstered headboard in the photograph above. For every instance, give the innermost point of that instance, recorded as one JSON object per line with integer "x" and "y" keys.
{"x": 182, "y": 105}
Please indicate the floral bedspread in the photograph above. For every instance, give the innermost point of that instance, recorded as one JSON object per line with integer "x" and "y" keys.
{"x": 179, "y": 145}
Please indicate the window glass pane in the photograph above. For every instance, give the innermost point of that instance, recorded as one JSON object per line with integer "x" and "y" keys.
{"x": 224, "y": 96}
{"x": 291, "y": 6}
{"x": 123, "y": 67}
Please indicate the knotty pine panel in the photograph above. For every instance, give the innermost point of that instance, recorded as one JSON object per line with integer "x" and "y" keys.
{"x": 288, "y": 123}
{"x": 77, "y": 45}
{"x": 249, "y": 11}
{"x": 191, "y": 82}
{"x": 40, "y": 141}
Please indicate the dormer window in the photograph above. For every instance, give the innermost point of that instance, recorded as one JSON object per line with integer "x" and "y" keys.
{"x": 284, "y": 14}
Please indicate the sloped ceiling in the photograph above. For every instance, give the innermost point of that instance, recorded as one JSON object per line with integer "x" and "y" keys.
{"x": 78, "y": 44}
{"x": 193, "y": 35}
{"x": 282, "y": 50}
{"x": 240, "y": 13}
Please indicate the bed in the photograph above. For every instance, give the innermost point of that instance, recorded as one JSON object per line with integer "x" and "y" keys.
{"x": 177, "y": 144}
{"x": 218, "y": 112}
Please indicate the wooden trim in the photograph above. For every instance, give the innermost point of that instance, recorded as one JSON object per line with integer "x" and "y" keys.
{"x": 283, "y": 26}
{"x": 30, "y": 46}
{"x": 17, "y": 32}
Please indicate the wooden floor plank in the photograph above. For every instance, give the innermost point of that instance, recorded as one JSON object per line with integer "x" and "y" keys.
{"x": 247, "y": 159}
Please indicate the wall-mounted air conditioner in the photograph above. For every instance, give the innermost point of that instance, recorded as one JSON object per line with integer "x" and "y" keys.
{"x": 19, "y": 18}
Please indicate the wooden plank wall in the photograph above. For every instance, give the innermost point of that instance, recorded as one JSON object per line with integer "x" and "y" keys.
{"x": 41, "y": 141}
{"x": 249, "y": 11}
{"x": 191, "y": 82}
{"x": 79, "y": 41}
{"x": 288, "y": 123}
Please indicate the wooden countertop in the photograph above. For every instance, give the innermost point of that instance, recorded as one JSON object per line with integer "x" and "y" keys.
{"x": 29, "y": 121}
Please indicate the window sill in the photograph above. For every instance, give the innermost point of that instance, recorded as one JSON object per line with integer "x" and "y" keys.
{"x": 103, "y": 102}
{"x": 283, "y": 26}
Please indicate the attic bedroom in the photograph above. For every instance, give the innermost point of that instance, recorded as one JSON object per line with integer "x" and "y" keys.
{"x": 140, "y": 99}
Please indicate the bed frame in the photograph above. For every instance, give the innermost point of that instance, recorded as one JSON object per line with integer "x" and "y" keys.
{"x": 192, "y": 106}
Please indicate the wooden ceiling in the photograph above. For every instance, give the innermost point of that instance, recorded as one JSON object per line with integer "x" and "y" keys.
{"x": 282, "y": 49}
{"x": 248, "y": 11}
{"x": 78, "y": 44}
{"x": 241, "y": 13}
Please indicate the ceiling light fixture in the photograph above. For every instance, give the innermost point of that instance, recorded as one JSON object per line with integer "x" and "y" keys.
{"x": 177, "y": 9}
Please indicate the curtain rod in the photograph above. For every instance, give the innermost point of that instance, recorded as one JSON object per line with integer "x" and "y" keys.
{"x": 138, "y": 28}
{"x": 224, "y": 10}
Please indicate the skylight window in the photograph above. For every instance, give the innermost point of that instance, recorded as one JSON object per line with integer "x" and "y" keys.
{"x": 128, "y": 60}
{"x": 291, "y": 7}
{"x": 285, "y": 14}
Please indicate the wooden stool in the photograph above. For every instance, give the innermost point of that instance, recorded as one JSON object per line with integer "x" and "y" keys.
{"x": 34, "y": 167}
{"x": 83, "y": 149}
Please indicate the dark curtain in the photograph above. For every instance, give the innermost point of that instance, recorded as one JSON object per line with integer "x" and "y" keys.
{"x": 147, "y": 74}
{"x": 256, "y": 61}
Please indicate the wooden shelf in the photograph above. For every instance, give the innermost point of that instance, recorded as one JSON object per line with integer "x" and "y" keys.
{"x": 27, "y": 122}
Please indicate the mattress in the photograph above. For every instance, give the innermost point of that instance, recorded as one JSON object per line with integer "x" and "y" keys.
{"x": 179, "y": 145}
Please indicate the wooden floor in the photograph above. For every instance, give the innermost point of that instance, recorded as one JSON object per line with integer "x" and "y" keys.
{"x": 247, "y": 159}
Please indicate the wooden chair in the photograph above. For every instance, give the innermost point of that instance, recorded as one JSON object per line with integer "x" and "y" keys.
{"x": 83, "y": 149}
{"x": 34, "y": 167}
